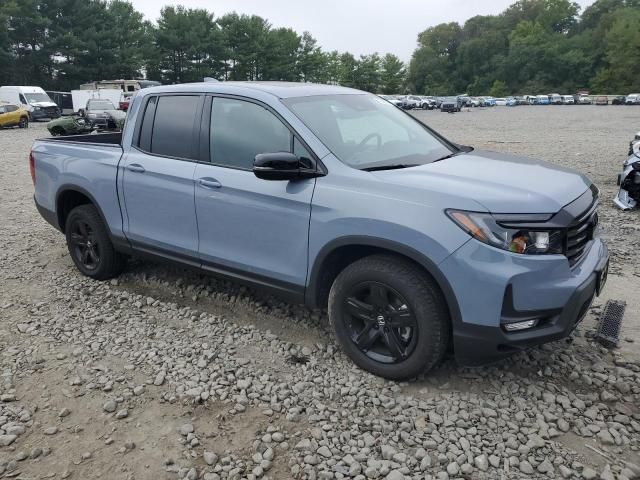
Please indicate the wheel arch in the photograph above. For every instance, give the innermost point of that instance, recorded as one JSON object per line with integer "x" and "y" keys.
{"x": 69, "y": 197}
{"x": 340, "y": 253}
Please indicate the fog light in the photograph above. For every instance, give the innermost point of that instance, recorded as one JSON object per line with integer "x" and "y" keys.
{"x": 517, "y": 326}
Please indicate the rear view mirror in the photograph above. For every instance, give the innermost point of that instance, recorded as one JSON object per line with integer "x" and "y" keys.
{"x": 282, "y": 166}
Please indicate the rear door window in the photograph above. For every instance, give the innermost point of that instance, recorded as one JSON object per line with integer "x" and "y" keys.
{"x": 168, "y": 126}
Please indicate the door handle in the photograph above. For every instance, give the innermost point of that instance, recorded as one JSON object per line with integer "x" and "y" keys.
{"x": 136, "y": 167}
{"x": 209, "y": 183}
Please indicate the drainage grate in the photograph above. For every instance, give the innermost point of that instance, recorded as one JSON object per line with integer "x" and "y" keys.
{"x": 608, "y": 333}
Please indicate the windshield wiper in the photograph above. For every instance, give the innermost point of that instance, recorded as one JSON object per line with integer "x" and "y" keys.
{"x": 393, "y": 166}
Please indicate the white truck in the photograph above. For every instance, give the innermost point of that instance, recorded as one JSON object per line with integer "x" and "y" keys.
{"x": 81, "y": 97}
{"x": 33, "y": 99}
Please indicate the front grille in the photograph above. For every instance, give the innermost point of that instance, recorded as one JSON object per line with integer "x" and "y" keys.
{"x": 50, "y": 111}
{"x": 580, "y": 233}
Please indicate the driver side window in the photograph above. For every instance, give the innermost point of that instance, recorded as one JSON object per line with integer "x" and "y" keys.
{"x": 241, "y": 130}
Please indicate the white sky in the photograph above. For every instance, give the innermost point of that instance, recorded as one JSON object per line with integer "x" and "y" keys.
{"x": 357, "y": 26}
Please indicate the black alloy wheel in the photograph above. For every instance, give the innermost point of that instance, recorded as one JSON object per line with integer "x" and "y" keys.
{"x": 380, "y": 322}
{"x": 84, "y": 244}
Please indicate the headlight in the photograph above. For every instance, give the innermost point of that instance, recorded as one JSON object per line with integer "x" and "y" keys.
{"x": 92, "y": 115}
{"x": 485, "y": 228}
{"x": 36, "y": 108}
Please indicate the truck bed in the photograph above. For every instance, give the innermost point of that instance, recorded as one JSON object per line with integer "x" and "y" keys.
{"x": 111, "y": 138}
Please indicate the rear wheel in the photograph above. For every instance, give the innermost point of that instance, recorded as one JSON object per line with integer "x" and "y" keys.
{"x": 389, "y": 317}
{"x": 24, "y": 122}
{"x": 89, "y": 245}
{"x": 57, "y": 131}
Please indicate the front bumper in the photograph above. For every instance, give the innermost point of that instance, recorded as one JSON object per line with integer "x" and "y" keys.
{"x": 493, "y": 287}
{"x": 46, "y": 112}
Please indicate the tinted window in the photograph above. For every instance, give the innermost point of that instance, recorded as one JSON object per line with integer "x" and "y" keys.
{"x": 241, "y": 130}
{"x": 23, "y": 100}
{"x": 11, "y": 108}
{"x": 173, "y": 126}
{"x": 147, "y": 124}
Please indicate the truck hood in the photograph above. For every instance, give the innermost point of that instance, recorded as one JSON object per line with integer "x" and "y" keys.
{"x": 500, "y": 182}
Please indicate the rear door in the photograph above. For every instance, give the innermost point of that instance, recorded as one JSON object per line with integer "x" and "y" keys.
{"x": 158, "y": 185}
{"x": 248, "y": 227}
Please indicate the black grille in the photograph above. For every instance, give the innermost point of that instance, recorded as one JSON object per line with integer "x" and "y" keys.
{"x": 51, "y": 111}
{"x": 580, "y": 233}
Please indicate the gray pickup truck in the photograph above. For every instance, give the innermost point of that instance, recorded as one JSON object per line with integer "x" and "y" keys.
{"x": 336, "y": 198}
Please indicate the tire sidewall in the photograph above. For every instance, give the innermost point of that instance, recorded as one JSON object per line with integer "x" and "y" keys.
{"x": 427, "y": 308}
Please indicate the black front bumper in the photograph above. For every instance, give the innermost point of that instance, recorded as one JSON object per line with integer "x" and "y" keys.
{"x": 478, "y": 345}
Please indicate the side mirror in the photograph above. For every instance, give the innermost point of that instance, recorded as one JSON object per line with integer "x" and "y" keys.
{"x": 283, "y": 166}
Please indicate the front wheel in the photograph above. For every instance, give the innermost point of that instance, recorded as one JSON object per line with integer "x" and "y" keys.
{"x": 24, "y": 122}
{"x": 389, "y": 317}
{"x": 89, "y": 244}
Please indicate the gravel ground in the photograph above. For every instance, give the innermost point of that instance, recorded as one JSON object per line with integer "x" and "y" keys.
{"x": 167, "y": 374}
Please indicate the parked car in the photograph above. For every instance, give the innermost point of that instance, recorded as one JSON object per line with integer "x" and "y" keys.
{"x": 619, "y": 100}
{"x": 32, "y": 99}
{"x": 103, "y": 114}
{"x": 391, "y": 99}
{"x": 602, "y": 100}
{"x": 628, "y": 194}
{"x": 568, "y": 100}
{"x": 489, "y": 102}
{"x": 307, "y": 190}
{"x": 450, "y": 105}
{"x": 501, "y": 102}
{"x": 474, "y": 102}
{"x": 428, "y": 103}
{"x": 69, "y": 125}
{"x": 584, "y": 100}
{"x": 632, "y": 99}
{"x": 542, "y": 100}
{"x": 521, "y": 100}
{"x": 12, "y": 115}
{"x": 555, "y": 99}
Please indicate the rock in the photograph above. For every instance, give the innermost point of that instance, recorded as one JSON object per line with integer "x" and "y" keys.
{"x": 65, "y": 412}
{"x": 387, "y": 452}
{"x": 6, "y": 440}
{"x": 525, "y": 467}
{"x": 210, "y": 458}
{"x": 453, "y": 469}
{"x": 324, "y": 451}
{"x": 605, "y": 437}
{"x": 394, "y": 475}
{"x": 124, "y": 413}
{"x": 607, "y": 396}
{"x": 494, "y": 460}
{"x": 159, "y": 380}
{"x": 481, "y": 462}
{"x": 110, "y": 406}
{"x": 50, "y": 430}
{"x": 565, "y": 471}
{"x": 607, "y": 474}
{"x": 588, "y": 473}
{"x": 185, "y": 429}
{"x": 545, "y": 466}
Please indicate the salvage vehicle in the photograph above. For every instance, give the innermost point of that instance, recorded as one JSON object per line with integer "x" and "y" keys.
{"x": 336, "y": 198}
{"x": 632, "y": 99}
{"x": 619, "y": 100}
{"x": 568, "y": 100}
{"x": 69, "y": 125}
{"x": 103, "y": 114}
{"x": 501, "y": 102}
{"x": 450, "y": 105}
{"x": 13, "y": 116}
{"x": 391, "y": 99}
{"x": 32, "y": 99}
{"x": 555, "y": 99}
{"x": 542, "y": 100}
{"x": 628, "y": 195}
{"x": 584, "y": 100}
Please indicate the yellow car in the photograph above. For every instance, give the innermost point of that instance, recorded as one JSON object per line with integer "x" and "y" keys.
{"x": 12, "y": 115}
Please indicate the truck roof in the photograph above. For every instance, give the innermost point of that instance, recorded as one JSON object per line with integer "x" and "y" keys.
{"x": 278, "y": 89}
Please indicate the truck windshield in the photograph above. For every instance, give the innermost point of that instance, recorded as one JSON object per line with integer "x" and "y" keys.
{"x": 364, "y": 131}
{"x": 37, "y": 97}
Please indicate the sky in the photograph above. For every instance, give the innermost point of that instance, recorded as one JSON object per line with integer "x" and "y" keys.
{"x": 357, "y": 26}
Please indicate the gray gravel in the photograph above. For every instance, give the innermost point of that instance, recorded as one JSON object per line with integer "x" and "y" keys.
{"x": 165, "y": 373}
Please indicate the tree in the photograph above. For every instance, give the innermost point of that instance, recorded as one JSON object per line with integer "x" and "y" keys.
{"x": 392, "y": 74}
{"x": 498, "y": 89}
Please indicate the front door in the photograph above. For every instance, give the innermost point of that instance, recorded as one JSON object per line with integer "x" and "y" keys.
{"x": 248, "y": 227}
{"x": 157, "y": 183}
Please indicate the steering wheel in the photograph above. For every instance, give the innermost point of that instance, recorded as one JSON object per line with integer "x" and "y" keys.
{"x": 369, "y": 137}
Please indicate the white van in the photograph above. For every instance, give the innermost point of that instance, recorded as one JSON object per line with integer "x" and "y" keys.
{"x": 632, "y": 99}
{"x": 32, "y": 99}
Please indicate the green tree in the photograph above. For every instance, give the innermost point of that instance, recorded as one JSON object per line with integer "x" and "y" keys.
{"x": 498, "y": 89}
{"x": 392, "y": 74}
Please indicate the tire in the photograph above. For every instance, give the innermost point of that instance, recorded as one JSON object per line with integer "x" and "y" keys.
{"x": 24, "y": 122}
{"x": 57, "y": 131}
{"x": 414, "y": 299}
{"x": 86, "y": 232}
